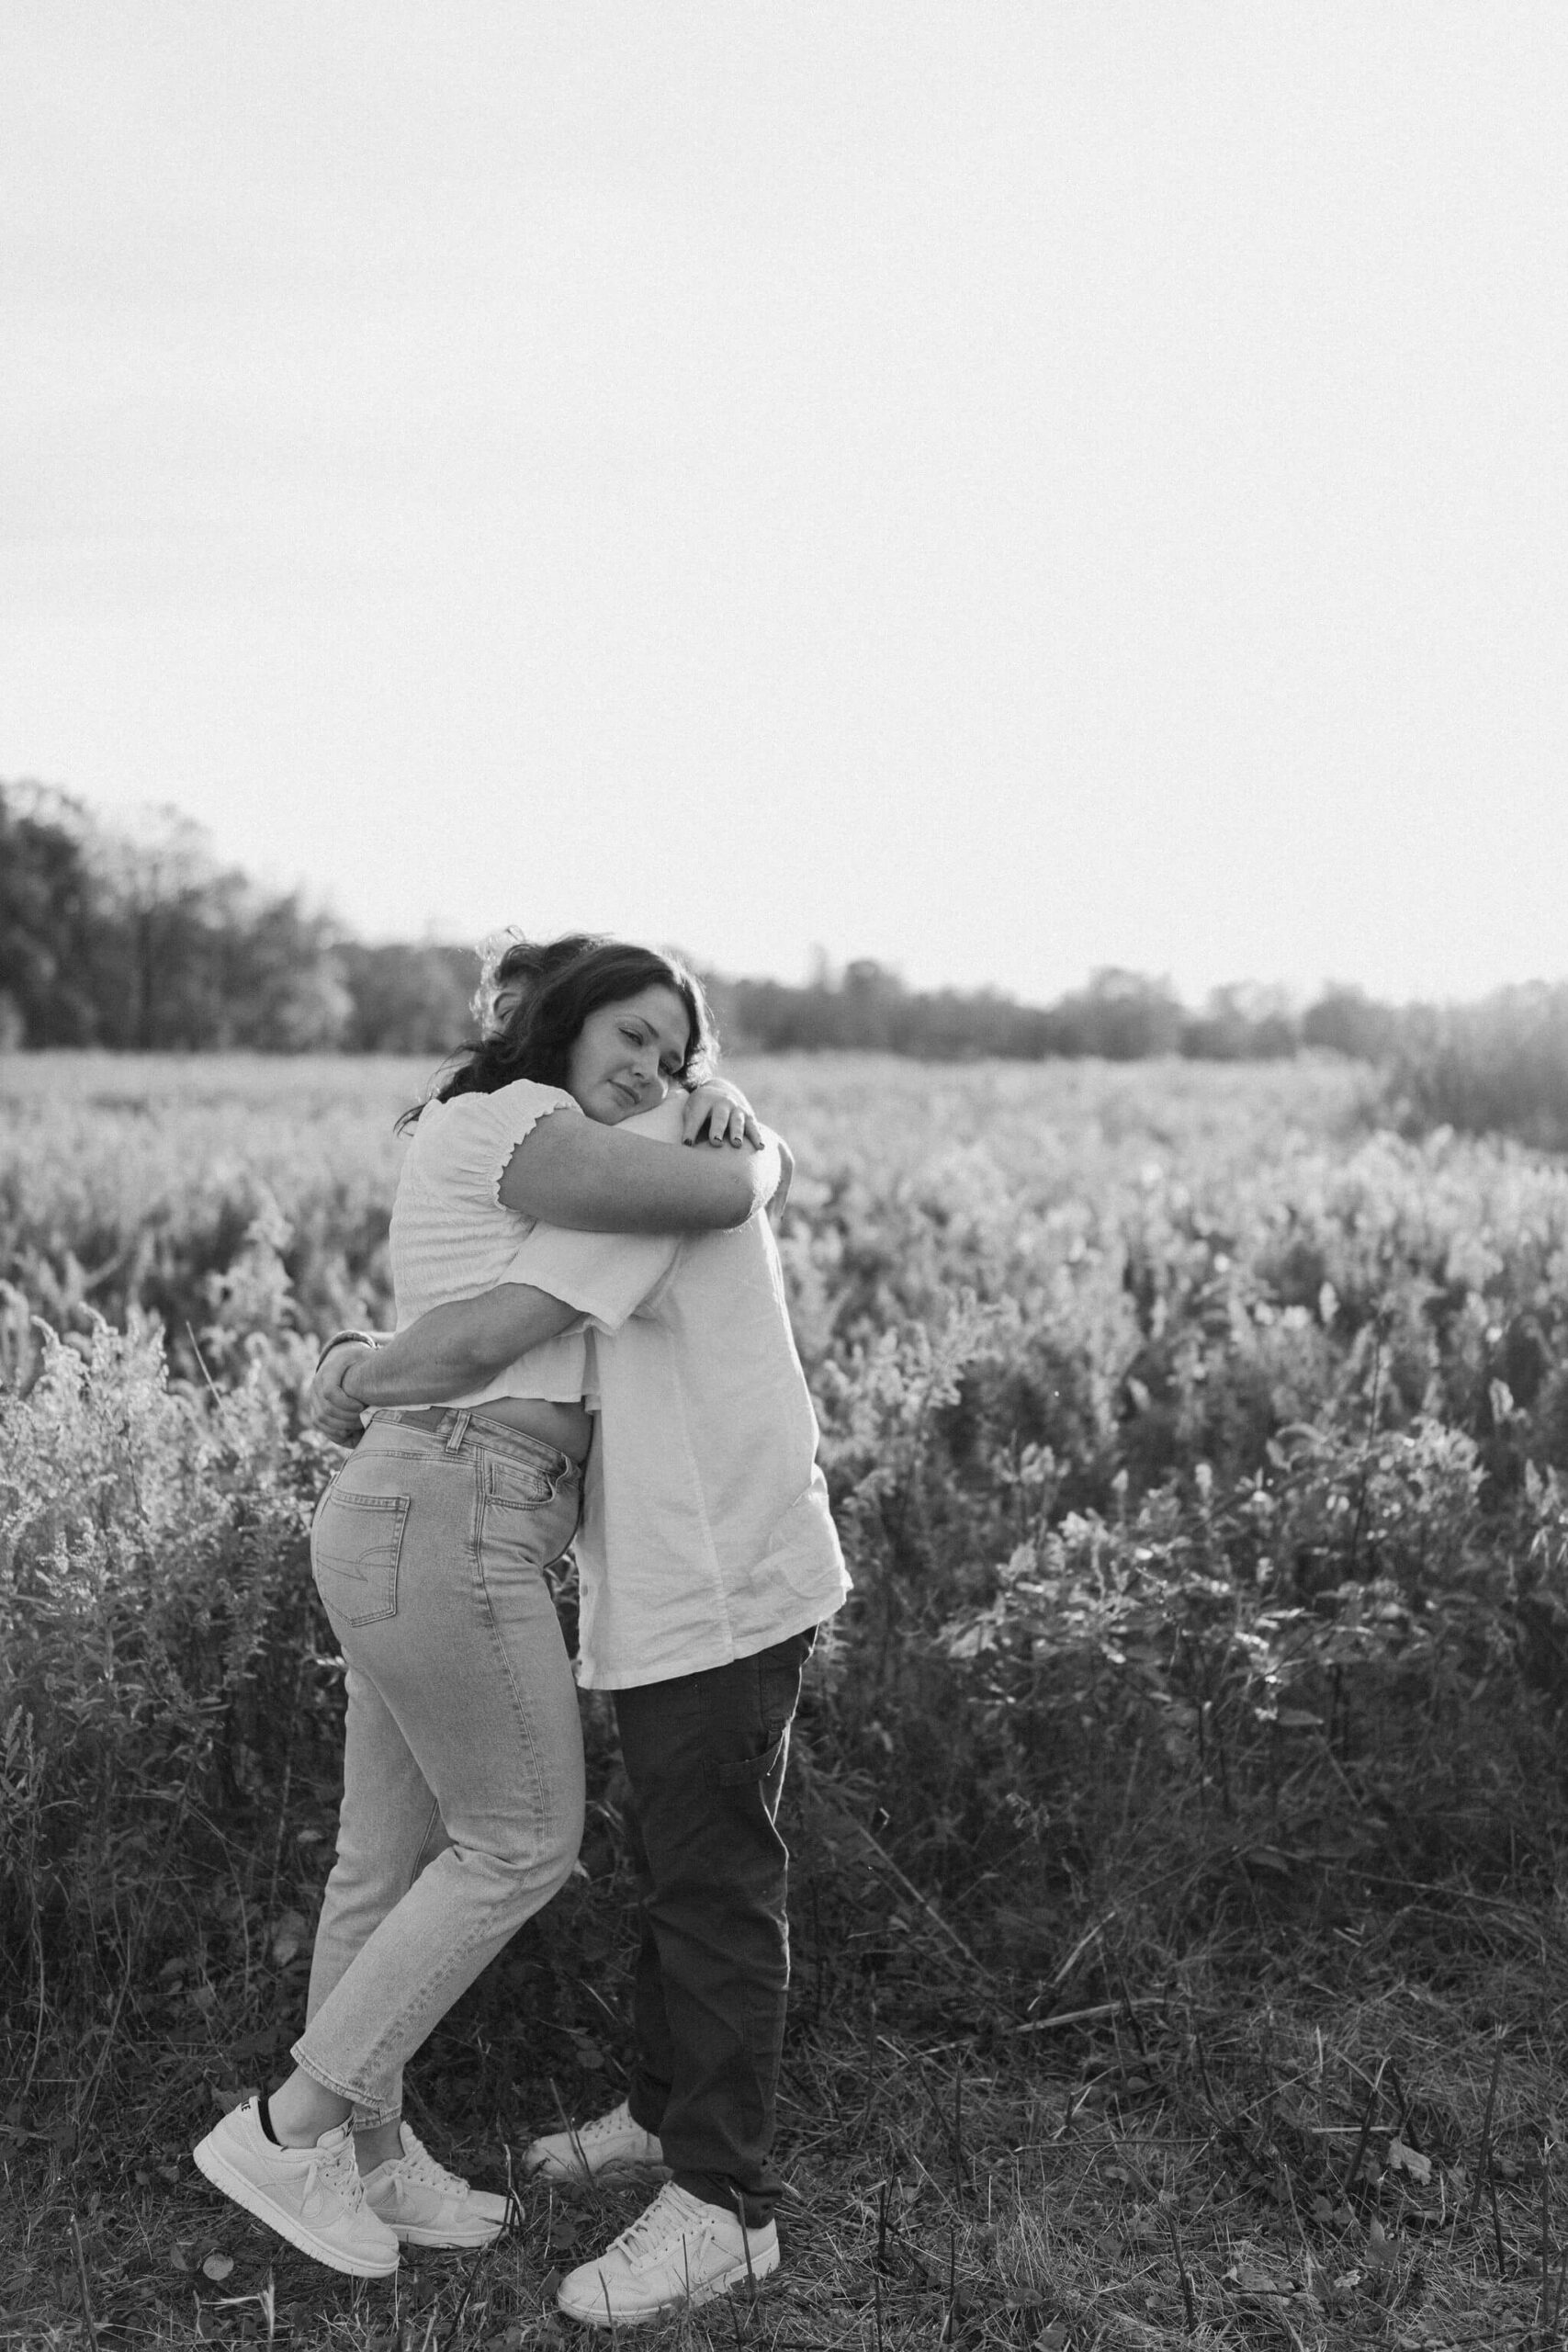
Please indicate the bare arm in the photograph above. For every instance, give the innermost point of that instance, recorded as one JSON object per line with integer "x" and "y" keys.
{"x": 449, "y": 1351}
{"x": 459, "y": 1345}
{"x": 593, "y": 1179}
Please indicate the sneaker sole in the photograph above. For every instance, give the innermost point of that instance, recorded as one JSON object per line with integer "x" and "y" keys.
{"x": 233, "y": 2184}
{"x": 416, "y": 2234}
{"x": 761, "y": 2267}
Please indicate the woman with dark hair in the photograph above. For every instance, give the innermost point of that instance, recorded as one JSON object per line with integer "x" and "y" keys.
{"x": 535, "y": 996}
{"x": 463, "y": 1785}
{"x": 706, "y": 1560}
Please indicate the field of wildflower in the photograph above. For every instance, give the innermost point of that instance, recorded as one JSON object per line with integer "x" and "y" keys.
{"x": 1176, "y": 1808}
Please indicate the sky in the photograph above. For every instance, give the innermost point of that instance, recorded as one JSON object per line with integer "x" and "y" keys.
{"x": 999, "y": 489}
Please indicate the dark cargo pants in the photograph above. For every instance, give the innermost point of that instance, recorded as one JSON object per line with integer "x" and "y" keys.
{"x": 705, "y": 1755}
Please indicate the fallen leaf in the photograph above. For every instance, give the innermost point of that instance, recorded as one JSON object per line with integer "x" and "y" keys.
{"x": 1381, "y": 2252}
{"x": 1321, "y": 2209}
{"x": 287, "y": 1937}
{"x": 216, "y": 2267}
{"x": 1251, "y": 2278}
{"x": 1404, "y": 2159}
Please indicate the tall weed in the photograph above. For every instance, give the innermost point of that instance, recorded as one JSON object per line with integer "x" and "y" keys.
{"x": 1199, "y": 1451}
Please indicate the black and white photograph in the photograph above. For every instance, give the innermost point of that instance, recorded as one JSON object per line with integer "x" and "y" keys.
{"x": 784, "y": 1175}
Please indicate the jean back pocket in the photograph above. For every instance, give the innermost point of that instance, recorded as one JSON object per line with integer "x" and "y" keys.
{"x": 356, "y": 1545}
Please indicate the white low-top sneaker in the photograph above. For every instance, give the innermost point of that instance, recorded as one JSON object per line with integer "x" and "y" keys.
{"x": 424, "y": 2204}
{"x": 310, "y": 2196}
{"x": 679, "y": 2251}
{"x": 610, "y": 2142}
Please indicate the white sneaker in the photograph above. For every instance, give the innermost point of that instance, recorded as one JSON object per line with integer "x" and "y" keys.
{"x": 610, "y": 2142}
{"x": 423, "y": 2204}
{"x": 310, "y": 2196}
{"x": 680, "y": 2251}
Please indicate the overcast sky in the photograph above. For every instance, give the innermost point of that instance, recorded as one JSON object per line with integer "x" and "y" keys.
{"x": 999, "y": 489}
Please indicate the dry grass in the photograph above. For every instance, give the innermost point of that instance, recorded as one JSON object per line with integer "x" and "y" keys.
{"x": 1351, "y": 2143}
{"x": 1262, "y": 2007}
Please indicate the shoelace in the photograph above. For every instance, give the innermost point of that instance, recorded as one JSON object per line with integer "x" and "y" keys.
{"x": 673, "y": 2212}
{"x": 334, "y": 2169}
{"x": 418, "y": 2164}
{"x": 605, "y": 2127}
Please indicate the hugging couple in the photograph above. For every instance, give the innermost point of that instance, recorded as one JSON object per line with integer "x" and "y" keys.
{"x": 563, "y": 1271}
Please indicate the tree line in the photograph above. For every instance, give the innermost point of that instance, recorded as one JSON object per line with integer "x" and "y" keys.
{"x": 142, "y": 940}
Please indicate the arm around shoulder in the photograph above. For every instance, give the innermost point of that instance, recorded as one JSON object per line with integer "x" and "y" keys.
{"x": 593, "y": 1179}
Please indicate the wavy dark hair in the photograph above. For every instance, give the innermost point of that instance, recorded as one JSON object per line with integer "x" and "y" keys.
{"x": 511, "y": 965}
{"x": 563, "y": 980}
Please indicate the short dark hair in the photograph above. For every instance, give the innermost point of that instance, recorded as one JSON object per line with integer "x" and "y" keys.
{"x": 565, "y": 980}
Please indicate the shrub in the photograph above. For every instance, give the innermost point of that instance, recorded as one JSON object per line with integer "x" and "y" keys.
{"x": 1197, "y": 1453}
{"x": 1498, "y": 1067}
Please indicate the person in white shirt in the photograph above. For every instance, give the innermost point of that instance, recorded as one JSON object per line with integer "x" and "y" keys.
{"x": 463, "y": 1792}
{"x": 706, "y": 1559}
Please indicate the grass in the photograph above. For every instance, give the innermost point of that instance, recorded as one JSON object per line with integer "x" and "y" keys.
{"x": 1340, "y": 2128}
{"x": 1179, "y": 1955}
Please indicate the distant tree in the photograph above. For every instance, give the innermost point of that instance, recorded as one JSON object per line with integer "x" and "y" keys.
{"x": 871, "y": 999}
{"x": 47, "y": 918}
{"x": 1499, "y": 1066}
{"x": 1347, "y": 1020}
{"x": 1242, "y": 1022}
{"x": 1122, "y": 1016}
{"x": 408, "y": 999}
{"x": 283, "y": 983}
{"x": 139, "y": 938}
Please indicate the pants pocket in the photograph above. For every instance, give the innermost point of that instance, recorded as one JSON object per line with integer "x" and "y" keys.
{"x": 745, "y": 1771}
{"x": 356, "y": 1546}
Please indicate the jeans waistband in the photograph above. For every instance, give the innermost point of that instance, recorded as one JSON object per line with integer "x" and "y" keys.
{"x": 457, "y": 1427}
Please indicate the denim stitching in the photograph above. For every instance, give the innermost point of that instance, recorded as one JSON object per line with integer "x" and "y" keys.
{"x": 519, "y": 1709}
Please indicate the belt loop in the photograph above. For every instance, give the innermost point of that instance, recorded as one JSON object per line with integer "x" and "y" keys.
{"x": 459, "y": 1431}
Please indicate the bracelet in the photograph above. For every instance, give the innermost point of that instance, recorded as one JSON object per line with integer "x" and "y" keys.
{"x": 343, "y": 1339}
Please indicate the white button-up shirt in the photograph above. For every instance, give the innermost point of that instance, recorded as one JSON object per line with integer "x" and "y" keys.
{"x": 705, "y": 1533}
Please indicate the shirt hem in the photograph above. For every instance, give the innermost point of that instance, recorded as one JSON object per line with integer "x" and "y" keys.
{"x": 591, "y": 1677}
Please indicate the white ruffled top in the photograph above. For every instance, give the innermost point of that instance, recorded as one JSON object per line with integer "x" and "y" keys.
{"x": 452, "y": 1236}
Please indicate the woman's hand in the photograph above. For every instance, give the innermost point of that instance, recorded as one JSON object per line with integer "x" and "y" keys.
{"x": 335, "y": 1412}
{"x": 725, "y": 1114}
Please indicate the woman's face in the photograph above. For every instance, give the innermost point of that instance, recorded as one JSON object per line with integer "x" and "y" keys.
{"x": 627, "y": 1054}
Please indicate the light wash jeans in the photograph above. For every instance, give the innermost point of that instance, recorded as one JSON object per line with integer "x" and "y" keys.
{"x": 462, "y": 1801}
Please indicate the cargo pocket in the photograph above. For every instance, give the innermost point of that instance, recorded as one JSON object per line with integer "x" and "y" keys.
{"x": 356, "y": 1545}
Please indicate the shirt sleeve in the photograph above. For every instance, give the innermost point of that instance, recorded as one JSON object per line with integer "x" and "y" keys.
{"x": 607, "y": 1276}
{"x": 472, "y": 1145}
